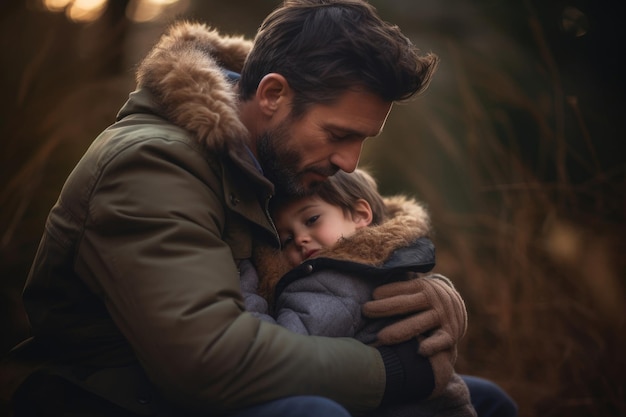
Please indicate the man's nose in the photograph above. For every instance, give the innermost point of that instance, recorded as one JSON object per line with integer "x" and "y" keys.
{"x": 347, "y": 155}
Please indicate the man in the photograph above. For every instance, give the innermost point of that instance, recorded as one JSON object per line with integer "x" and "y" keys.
{"x": 134, "y": 296}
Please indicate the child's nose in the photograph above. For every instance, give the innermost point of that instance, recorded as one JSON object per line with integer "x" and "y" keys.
{"x": 302, "y": 239}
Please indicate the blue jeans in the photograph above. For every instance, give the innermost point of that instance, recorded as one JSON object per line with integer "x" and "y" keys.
{"x": 488, "y": 399}
{"x": 299, "y": 406}
{"x": 49, "y": 395}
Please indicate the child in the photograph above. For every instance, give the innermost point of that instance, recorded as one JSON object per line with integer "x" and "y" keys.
{"x": 337, "y": 246}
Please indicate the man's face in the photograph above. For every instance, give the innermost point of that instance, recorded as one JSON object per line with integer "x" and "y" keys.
{"x": 297, "y": 154}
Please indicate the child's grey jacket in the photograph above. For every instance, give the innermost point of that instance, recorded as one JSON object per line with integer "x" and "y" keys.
{"x": 324, "y": 296}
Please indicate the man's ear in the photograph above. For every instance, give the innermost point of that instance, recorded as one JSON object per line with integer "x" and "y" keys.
{"x": 362, "y": 213}
{"x": 274, "y": 94}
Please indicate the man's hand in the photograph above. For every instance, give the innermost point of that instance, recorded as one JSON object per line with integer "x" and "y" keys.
{"x": 434, "y": 310}
{"x": 442, "y": 363}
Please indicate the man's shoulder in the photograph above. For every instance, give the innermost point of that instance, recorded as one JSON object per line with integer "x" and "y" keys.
{"x": 148, "y": 130}
{"x": 143, "y": 137}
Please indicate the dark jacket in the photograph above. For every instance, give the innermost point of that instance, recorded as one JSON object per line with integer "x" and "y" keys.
{"x": 137, "y": 267}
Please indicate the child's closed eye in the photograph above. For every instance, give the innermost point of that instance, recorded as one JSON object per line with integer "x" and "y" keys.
{"x": 312, "y": 220}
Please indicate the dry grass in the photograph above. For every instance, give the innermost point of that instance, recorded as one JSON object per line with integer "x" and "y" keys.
{"x": 530, "y": 224}
{"x": 529, "y": 217}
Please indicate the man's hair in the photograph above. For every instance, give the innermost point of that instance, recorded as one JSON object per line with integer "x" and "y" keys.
{"x": 343, "y": 190}
{"x": 325, "y": 47}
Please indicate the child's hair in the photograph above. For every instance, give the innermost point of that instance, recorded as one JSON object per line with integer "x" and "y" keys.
{"x": 343, "y": 190}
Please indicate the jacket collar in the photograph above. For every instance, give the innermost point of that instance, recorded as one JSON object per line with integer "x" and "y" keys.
{"x": 401, "y": 241}
{"x": 142, "y": 101}
{"x": 187, "y": 74}
{"x": 189, "y": 78}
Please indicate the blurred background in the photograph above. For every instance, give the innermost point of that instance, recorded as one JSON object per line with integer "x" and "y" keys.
{"x": 516, "y": 148}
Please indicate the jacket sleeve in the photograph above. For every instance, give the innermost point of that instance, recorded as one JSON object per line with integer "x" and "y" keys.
{"x": 152, "y": 249}
{"x": 308, "y": 306}
{"x": 254, "y": 303}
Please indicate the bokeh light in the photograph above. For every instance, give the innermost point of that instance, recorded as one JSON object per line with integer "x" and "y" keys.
{"x": 56, "y": 5}
{"x": 148, "y": 10}
{"x": 84, "y": 11}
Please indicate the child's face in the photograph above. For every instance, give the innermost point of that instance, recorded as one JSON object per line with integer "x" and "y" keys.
{"x": 309, "y": 224}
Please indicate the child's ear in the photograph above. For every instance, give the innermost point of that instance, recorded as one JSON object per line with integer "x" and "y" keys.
{"x": 362, "y": 213}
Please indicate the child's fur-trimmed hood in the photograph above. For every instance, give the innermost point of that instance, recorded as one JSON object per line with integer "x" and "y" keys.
{"x": 185, "y": 74}
{"x": 406, "y": 221}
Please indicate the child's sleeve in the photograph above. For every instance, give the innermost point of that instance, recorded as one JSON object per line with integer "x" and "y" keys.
{"x": 249, "y": 281}
{"x": 323, "y": 303}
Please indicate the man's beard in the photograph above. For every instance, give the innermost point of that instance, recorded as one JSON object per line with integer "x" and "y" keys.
{"x": 280, "y": 164}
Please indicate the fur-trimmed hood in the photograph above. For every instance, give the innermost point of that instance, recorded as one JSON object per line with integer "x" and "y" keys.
{"x": 185, "y": 74}
{"x": 407, "y": 220}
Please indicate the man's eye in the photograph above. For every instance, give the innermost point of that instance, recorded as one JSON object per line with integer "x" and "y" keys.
{"x": 337, "y": 138}
{"x": 312, "y": 220}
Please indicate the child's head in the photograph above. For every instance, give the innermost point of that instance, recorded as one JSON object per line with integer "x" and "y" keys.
{"x": 337, "y": 208}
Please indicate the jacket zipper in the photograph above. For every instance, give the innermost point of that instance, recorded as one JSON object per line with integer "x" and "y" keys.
{"x": 267, "y": 214}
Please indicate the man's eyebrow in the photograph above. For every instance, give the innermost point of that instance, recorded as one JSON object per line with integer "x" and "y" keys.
{"x": 346, "y": 131}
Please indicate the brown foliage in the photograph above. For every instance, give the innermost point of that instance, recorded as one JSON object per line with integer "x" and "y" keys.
{"x": 513, "y": 156}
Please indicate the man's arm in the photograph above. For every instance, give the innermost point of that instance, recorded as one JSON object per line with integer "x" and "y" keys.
{"x": 152, "y": 249}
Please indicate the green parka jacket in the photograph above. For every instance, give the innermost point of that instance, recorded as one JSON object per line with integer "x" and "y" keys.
{"x": 138, "y": 261}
